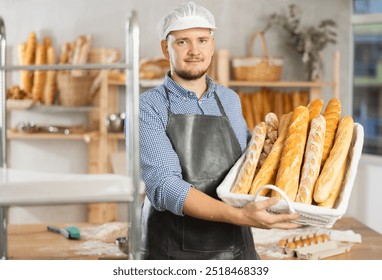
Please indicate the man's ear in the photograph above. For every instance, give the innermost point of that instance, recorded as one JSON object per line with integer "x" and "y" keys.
{"x": 164, "y": 47}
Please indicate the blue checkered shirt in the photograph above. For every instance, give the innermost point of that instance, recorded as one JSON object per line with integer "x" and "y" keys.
{"x": 160, "y": 167}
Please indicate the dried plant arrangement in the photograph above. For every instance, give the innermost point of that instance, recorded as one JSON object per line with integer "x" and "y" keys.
{"x": 309, "y": 42}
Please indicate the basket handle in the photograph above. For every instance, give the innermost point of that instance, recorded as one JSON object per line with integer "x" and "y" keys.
{"x": 251, "y": 43}
{"x": 281, "y": 192}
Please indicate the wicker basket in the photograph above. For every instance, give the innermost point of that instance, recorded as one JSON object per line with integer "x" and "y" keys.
{"x": 74, "y": 91}
{"x": 251, "y": 68}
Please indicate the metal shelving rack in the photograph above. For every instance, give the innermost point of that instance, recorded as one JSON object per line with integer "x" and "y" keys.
{"x": 132, "y": 130}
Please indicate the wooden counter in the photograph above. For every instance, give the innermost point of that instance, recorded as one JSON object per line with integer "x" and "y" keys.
{"x": 369, "y": 249}
{"x": 35, "y": 242}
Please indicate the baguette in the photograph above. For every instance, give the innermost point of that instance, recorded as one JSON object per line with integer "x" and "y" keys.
{"x": 315, "y": 108}
{"x": 50, "y": 84}
{"x": 288, "y": 175}
{"x": 39, "y": 76}
{"x": 29, "y": 59}
{"x": 325, "y": 182}
{"x": 267, "y": 172}
{"x": 330, "y": 201}
{"x": 312, "y": 160}
{"x": 252, "y": 154}
{"x": 332, "y": 115}
{"x": 272, "y": 123}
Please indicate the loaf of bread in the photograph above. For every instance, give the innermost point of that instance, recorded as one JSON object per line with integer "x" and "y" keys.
{"x": 315, "y": 108}
{"x": 252, "y": 154}
{"x": 267, "y": 172}
{"x": 332, "y": 115}
{"x": 338, "y": 155}
{"x": 28, "y": 59}
{"x": 312, "y": 160}
{"x": 330, "y": 201}
{"x": 288, "y": 174}
{"x": 39, "y": 76}
{"x": 272, "y": 123}
{"x": 50, "y": 84}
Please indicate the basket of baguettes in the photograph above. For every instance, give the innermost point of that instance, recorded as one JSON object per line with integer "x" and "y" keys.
{"x": 306, "y": 158}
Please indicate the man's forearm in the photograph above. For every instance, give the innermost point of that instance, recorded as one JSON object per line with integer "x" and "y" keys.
{"x": 202, "y": 206}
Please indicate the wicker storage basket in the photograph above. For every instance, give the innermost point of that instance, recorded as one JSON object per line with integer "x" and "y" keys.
{"x": 74, "y": 91}
{"x": 252, "y": 68}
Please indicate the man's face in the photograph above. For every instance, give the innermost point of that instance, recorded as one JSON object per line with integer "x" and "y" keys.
{"x": 189, "y": 51}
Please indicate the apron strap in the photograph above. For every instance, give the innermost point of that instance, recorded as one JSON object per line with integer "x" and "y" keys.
{"x": 169, "y": 103}
{"x": 220, "y": 105}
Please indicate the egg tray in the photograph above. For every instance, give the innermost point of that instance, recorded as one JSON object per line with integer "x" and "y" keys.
{"x": 312, "y": 247}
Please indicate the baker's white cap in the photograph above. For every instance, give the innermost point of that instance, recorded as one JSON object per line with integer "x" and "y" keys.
{"x": 186, "y": 15}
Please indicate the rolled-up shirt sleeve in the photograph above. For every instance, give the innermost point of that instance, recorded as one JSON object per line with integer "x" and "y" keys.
{"x": 160, "y": 167}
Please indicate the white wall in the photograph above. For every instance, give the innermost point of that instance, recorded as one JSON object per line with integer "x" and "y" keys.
{"x": 105, "y": 20}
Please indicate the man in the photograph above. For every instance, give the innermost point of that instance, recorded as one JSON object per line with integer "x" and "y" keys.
{"x": 192, "y": 132}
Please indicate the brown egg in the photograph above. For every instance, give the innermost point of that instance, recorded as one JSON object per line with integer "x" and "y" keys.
{"x": 325, "y": 237}
{"x": 306, "y": 241}
{"x": 282, "y": 242}
{"x": 299, "y": 243}
{"x": 319, "y": 239}
{"x": 291, "y": 245}
{"x": 313, "y": 240}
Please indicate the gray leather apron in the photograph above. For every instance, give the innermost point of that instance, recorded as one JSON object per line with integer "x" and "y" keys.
{"x": 207, "y": 148}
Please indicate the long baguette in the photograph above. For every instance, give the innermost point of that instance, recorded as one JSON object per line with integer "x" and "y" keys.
{"x": 332, "y": 115}
{"x": 247, "y": 170}
{"x": 335, "y": 161}
{"x": 288, "y": 174}
{"x": 312, "y": 160}
{"x": 330, "y": 201}
{"x": 315, "y": 108}
{"x": 267, "y": 173}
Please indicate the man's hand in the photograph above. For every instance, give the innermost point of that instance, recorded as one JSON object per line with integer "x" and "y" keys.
{"x": 257, "y": 216}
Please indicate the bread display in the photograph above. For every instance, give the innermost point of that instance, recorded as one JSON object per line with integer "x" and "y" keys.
{"x": 252, "y": 154}
{"x": 292, "y": 154}
{"x": 332, "y": 115}
{"x": 288, "y": 174}
{"x": 267, "y": 172}
{"x": 312, "y": 160}
{"x": 337, "y": 158}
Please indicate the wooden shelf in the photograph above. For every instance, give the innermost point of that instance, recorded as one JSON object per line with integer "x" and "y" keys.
{"x": 87, "y": 136}
{"x": 116, "y": 136}
{"x": 299, "y": 84}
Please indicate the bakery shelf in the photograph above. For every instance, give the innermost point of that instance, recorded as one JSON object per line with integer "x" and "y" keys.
{"x": 299, "y": 84}
{"x": 25, "y": 105}
{"x": 87, "y": 136}
{"x": 116, "y": 136}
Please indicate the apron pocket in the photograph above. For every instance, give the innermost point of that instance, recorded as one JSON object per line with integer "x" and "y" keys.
{"x": 205, "y": 236}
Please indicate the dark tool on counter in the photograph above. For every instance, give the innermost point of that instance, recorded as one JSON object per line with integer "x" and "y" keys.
{"x": 71, "y": 232}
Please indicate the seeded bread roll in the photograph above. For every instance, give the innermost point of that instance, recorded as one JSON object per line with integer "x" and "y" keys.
{"x": 332, "y": 115}
{"x": 252, "y": 154}
{"x": 312, "y": 160}
{"x": 267, "y": 172}
{"x": 272, "y": 123}
{"x": 288, "y": 174}
{"x": 335, "y": 161}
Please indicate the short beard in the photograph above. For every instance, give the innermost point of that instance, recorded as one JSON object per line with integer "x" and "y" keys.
{"x": 190, "y": 76}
